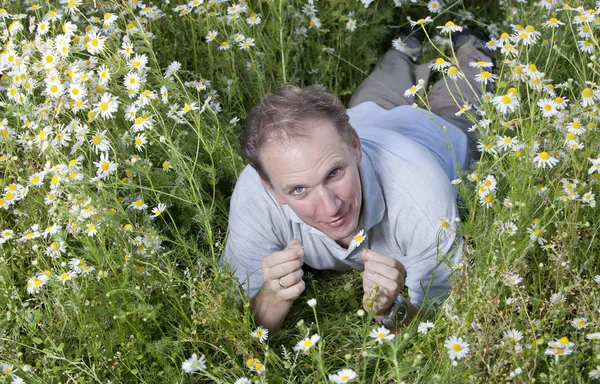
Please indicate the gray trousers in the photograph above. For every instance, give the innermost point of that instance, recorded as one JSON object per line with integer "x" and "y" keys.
{"x": 396, "y": 73}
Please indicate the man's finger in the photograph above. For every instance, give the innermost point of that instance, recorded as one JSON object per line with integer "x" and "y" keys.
{"x": 291, "y": 278}
{"x": 280, "y": 257}
{"x": 283, "y": 269}
{"x": 373, "y": 267}
{"x": 291, "y": 293}
{"x": 370, "y": 255}
{"x": 386, "y": 287}
{"x": 294, "y": 243}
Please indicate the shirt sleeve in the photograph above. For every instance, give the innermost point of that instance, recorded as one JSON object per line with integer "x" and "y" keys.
{"x": 254, "y": 230}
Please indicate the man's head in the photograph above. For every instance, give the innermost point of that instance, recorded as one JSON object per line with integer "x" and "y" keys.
{"x": 302, "y": 146}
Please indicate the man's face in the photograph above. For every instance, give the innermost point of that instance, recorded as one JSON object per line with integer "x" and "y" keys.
{"x": 317, "y": 177}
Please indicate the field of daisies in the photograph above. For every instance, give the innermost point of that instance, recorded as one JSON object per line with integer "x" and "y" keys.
{"x": 119, "y": 126}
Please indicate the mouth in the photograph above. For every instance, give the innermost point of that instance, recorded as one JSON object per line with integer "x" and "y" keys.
{"x": 338, "y": 221}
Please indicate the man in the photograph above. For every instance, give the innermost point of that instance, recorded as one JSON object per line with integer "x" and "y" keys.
{"x": 318, "y": 174}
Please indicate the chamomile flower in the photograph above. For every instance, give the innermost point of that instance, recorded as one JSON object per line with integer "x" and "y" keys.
{"x": 107, "y": 106}
{"x": 545, "y": 159}
{"x": 424, "y": 327}
{"x": 305, "y": 344}
{"x": 105, "y": 167}
{"x": 485, "y": 77}
{"x": 548, "y": 107}
{"x": 512, "y": 279}
{"x": 261, "y": 334}
{"x": 343, "y": 376}
{"x": 138, "y": 205}
{"x": 413, "y": 90}
{"x": 450, "y": 27}
{"x": 593, "y": 336}
{"x": 589, "y": 97}
{"x": 380, "y": 334}
{"x": 35, "y": 283}
{"x": 95, "y": 43}
{"x": 552, "y": 22}
{"x": 580, "y": 323}
{"x": 99, "y": 142}
{"x": 456, "y": 347}
{"x": 351, "y": 25}
{"x": 211, "y": 36}
{"x": 194, "y": 364}
{"x": 67, "y": 276}
{"x": 506, "y": 104}
{"x": 358, "y": 239}
{"x": 158, "y": 210}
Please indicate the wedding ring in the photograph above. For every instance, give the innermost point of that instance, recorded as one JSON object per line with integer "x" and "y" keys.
{"x": 281, "y": 285}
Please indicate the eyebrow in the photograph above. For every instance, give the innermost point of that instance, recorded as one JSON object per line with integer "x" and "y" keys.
{"x": 294, "y": 186}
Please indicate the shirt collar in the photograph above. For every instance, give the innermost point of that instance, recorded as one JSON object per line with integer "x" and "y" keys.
{"x": 373, "y": 203}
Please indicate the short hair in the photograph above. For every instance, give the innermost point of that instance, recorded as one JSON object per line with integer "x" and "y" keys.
{"x": 282, "y": 116}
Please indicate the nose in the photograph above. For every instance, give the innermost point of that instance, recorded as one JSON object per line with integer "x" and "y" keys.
{"x": 330, "y": 204}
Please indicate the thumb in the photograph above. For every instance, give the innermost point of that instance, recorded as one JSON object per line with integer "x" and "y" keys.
{"x": 294, "y": 243}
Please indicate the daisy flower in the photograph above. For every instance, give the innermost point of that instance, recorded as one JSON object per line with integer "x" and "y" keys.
{"x": 548, "y": 106}
{"x": 450, "y": 27}
{"x": 454, "y": 73}
{"x": 107, "y": 106}
{"x": 312, "y": 303}
{"x": 412, "y": 90}
{"x": 351, "y": 25}
{"x": 424, "y": 327}
{"x": 580, "y": 323}
{"x": 305, "y": 344}
{"x": 595, "y": 373}
{"x": 457, "y": 348}
{"x": 552, "y": 22}
{"x": 243, "y": 380}
{"x": 138, "y": 205}
{"x": 380, "y": 334}
{"x": 63, "y": 278}
{"x": 588, "y": 97}
{"x": 253, "y": 19}
{"x": 157, "y": 211}
{"x": 440, "y": 64}
{"x": 194, "y": 364}
{"x": 343, "y": 376}
{"x": 261, "y": 334}
{"x": 95, "y": 43}
{"x": 595, "y": 166}
{"x": 544, "y": 159}
{"x": 506, "y": 103}
{"x": 560, "y": 347}
{"x": 358, "y": 239}
{"x": 512, "y": 279}
{"x": 398, "y": 44}
{"x": 593, "y": 336}
{"x": 485, "y": 77}
{"x": 36, "y": 283}
{"x": 104, "y": 166}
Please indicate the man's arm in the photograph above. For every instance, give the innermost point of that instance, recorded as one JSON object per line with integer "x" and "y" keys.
{"x": 282, "y": 276}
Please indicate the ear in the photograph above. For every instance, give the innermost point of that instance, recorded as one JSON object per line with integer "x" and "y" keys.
{"x": 356, "y": 145}
{"x": 269, "y": 188}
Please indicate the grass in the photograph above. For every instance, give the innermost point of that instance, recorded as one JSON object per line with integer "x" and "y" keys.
{"x": 135, "y": 300}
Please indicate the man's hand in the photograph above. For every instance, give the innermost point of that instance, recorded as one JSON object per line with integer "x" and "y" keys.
{"x": 282, "y": 271}
{"x": 386, "y": 273}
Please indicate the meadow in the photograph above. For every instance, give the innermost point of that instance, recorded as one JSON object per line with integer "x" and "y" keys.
{"x": 119, "y": 127}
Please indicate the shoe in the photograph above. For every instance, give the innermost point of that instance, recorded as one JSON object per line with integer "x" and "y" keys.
{"x": 412, "y": 41}
{"x": 472, "y": 37}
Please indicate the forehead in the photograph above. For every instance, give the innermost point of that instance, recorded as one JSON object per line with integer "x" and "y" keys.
{"x": 305, "y": 158}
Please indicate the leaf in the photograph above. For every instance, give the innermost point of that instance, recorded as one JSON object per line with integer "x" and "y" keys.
{"x": 37, "y": 340}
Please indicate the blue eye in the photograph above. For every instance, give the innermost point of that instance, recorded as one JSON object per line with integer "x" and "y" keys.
{"x": 298, "y": 190}
{"x": 335, "y": 172}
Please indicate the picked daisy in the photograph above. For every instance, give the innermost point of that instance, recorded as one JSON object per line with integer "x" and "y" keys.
{"x": 358, "y": 239}
{"x": 261, "y": 334}
{"x": 194, "y": 364}
{"x": 380, "y": 334}
{"x": 457, "y": 348}
{"x": 305, "y": 344}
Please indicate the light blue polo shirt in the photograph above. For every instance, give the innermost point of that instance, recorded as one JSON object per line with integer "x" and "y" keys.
{"x": 408, "y": 162}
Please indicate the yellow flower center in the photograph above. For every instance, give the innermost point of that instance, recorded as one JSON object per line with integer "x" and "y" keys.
{"x": 587, "y": 93}
{"x": 456, "y": 348}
